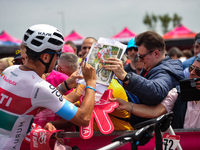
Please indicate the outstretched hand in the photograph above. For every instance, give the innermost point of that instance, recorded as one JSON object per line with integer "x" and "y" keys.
{"x": 123, "y": 105}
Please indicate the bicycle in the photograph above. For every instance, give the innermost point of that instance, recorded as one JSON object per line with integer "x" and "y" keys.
{"x": 143, "y": 134}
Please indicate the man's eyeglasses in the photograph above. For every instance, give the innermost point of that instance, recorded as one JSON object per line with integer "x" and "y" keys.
{"x": 58, "y": 53}
{"x": 197, "y": 70}
{"x": 132, "y": 48}
{"x": 142, "y": 56}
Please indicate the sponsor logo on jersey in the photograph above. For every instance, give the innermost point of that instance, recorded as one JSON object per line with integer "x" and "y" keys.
{"x": 35, "y": 96}
{"x": 8, "y": 80}
{"x": 18, "y": 134}
{"x": 56, "y": 92}
{"x": 2, "y": 74}
{"x": 14, "y": 74}
{"x": 14, "y": 103}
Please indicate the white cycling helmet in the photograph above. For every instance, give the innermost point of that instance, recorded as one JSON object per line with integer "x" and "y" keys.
{"x": 109, "y": 48}
{"x": 42, "y": 36}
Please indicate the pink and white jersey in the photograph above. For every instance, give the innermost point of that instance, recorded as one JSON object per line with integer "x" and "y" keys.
{"x": 22, "y": 93}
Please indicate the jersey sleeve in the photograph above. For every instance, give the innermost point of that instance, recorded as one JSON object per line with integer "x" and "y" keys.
{"x": 46, "y": 95}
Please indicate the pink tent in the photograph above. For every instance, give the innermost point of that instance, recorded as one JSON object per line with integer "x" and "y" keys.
{"x": 6, "y": 39}
{"x": 179, "y": 32}
{"x": 124, "y": 36}
{"x": 181, "y": 37}
{"x": 74, "y": 37}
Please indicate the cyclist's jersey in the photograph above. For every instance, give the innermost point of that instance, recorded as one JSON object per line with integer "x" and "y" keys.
{"x": 102, "y": 52}
{"x": 22, "y": 93}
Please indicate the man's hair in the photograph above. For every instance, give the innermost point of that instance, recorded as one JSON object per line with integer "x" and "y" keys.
{"x": 187, "y": 53}
{"x": 197, "y": 35}
{"x": 91, "y": 38}
{"x": 22, "y": 46}
{"x": 151, "y": 41}
{"x": 70, "y": 60}
{"x": 71, "y": 44}
{"x": 175, "y": 51}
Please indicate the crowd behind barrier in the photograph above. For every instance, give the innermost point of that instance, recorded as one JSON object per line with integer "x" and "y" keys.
{"x": 146, "y": 82}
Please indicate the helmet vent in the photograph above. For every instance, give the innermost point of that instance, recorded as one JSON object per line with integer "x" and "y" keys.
{"x": 29, "y": 32}
{"x": 55, "y": 42}
{"x": 25, "y": 37}
{"x": 36, "y": 43}
{"x": 59, "y": 35}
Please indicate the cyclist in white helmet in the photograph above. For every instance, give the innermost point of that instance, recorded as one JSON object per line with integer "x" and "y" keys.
{"x": 23, "y": 92}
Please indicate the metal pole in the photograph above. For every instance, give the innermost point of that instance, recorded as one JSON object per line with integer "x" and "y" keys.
{"x": 63, "y": 21}
{"x": 171, "y": 131}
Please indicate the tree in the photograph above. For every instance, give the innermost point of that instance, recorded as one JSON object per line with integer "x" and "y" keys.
{"x": 147, "y": 21}
{"x": 165, "y": 20}
{"x": 151, "y": 20}
{"x": 176, "y": 20}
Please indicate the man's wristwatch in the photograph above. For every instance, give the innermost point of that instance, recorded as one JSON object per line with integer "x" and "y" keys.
{"x": 127, "y": 77}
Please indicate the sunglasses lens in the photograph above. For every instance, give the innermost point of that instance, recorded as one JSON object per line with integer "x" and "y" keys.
{"x": 197, "y": 71}
{"x": 191, "y": 68}
{"x": 135, "y": 49}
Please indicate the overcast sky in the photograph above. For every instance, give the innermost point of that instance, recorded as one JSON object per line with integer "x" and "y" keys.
{"x": 96, "y": 18}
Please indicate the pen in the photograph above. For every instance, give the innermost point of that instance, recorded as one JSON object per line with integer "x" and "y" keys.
{"x": 85, "y": 61}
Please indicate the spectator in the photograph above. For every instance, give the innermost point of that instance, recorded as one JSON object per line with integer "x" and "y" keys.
{"x": 131, "y": 51}
{"x": 24, "y": 91}
{"x": 196, "y": 46}
{"x": 186, "y": 114}
{"x": 67, "y": 48}
{"x": 68, "y": 63}
{"x": 159, "y": 75}
{"x": 86, "y": 45}
{"x": 17, "y": 58}
{"x": 5, "y": 63}
{"x": 187, "y": 53}
{"x": 70, "y": 43}
{"x": 190, "y": 61}
{"x": 175, "y": 53}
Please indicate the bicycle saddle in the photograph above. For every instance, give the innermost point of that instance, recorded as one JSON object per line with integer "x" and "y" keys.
{"x": 163, "y": 122}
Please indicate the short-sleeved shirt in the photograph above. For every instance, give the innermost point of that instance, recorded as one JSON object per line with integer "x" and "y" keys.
{"x": 192, "y": 116}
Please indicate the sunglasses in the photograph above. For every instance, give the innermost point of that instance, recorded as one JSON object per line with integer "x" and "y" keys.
{"x": 17, "y": 62}
{"x": 197, "y": 70}
{"x": 58, "y": 53}
{"x": 132, "y": 48}
{"x": 142, "y": 56}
